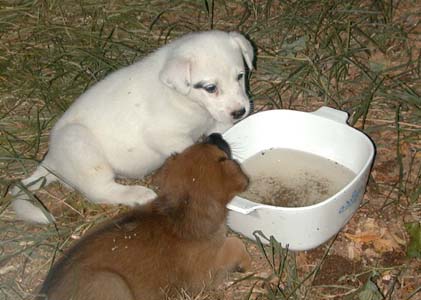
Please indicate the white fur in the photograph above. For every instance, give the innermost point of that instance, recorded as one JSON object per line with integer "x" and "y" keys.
{"x": 127, "y": 124}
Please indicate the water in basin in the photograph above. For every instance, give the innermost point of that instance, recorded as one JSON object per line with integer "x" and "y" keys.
{"x": 291, "y": 178}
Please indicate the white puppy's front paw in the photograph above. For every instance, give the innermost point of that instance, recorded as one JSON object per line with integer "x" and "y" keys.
{"x": 138, "y": 195}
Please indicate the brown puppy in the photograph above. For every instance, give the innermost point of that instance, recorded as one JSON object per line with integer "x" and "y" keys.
{"x": 176, "y": 242}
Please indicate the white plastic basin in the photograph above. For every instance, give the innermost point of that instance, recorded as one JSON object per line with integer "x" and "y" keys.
{"x": 323, "y": 132}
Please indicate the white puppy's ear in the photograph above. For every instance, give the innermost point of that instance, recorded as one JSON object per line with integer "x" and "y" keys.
{"x": 176, "y": 74}
{"x": 245, "y": 46}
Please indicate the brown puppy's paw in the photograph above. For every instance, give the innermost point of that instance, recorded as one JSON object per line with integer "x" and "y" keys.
{"x": 245, "y": 263}
{"x": 233, "y": 256}
{"x": 241, "y": 269}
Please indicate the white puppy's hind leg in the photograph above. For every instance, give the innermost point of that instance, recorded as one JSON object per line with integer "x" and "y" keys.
{"x": 22, "y": 203}
{"x": 79, "y": 161}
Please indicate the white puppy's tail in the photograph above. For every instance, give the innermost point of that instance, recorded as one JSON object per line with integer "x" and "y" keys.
{"x": 24, "y": 202}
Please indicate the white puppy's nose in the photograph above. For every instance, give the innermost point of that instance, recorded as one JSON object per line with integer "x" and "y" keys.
{"x": 238, "y": 114}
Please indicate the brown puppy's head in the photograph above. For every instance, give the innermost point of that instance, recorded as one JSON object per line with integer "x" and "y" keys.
{"x": 204, "y": 170}
{"x": 200, "y": 181}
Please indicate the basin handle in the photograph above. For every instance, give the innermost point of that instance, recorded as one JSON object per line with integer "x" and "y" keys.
{"x": 243, "y": 206}
{"x": 332, "y": 114}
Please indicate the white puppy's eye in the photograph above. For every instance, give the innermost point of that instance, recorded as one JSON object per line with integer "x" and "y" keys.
{"x": 240, "y": 76}
{"x": 211, "y": 88}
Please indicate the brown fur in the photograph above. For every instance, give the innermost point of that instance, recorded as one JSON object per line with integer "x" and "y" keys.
{"x": 176, "y": 242}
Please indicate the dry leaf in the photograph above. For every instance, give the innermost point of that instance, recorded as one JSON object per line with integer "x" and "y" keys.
{"x": 400, "y": 241}
{"x": 384, "y": 245}
{"x": 370, "y": 253}
{"x": 380, "y": 237}
{"x": 354, "y": 251}
{"x": 364, "y": 237}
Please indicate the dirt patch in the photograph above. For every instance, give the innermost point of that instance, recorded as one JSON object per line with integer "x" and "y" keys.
{"x": 392, "y": 259}
{"x": 337, "y": 269}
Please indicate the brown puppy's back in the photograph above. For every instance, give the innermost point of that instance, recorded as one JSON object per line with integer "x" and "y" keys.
{"x": 129, "y": 245}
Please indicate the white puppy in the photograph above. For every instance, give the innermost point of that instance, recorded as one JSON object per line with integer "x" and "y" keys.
{"x": 127, "y": 124}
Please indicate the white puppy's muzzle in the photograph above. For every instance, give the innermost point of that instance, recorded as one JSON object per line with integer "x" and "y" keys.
{"x": 238, "y": 114}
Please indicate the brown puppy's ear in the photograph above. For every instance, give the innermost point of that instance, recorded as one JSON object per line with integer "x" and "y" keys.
{"x": 169, "y": 205}
{"x": 161, "y": 175}
{"x": 236, "y": 181}
{"x": 171, "y": 187}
